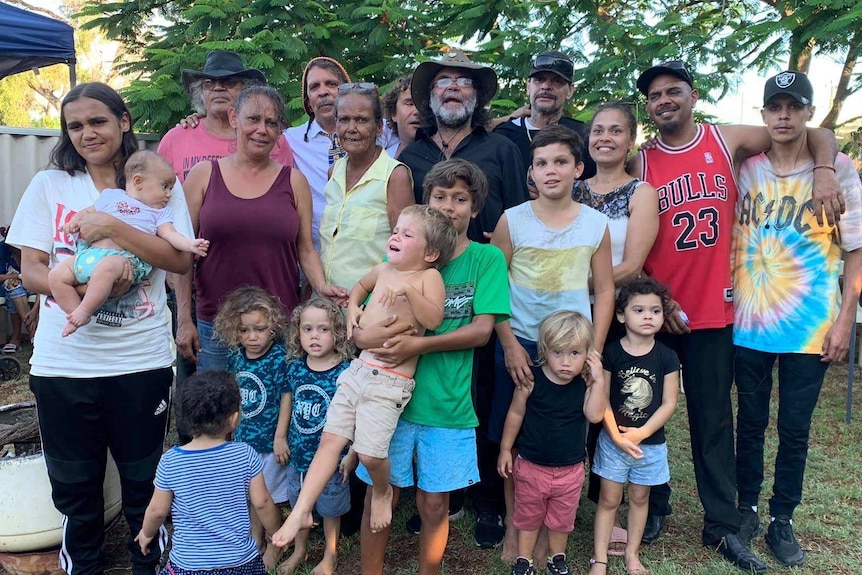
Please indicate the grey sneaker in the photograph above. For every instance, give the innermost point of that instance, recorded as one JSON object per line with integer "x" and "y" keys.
{"x": 522, "y": 566}
{"x": 782, "y": 542}
{"x": 750, "y": 526}
{"x": 557, "y": 565}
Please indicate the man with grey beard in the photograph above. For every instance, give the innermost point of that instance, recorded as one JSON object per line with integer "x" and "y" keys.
{"x": 451, "y": 95}
{"x": 549, "y": 86}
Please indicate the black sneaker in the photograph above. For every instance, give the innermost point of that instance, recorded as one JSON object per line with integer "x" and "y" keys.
{"x": 522, "y": 566}
{"x": 489, "y": 530}
{"x": 750, "y": 526}
{"x": 557, "y": 565}
{"x": 782, "y": 542}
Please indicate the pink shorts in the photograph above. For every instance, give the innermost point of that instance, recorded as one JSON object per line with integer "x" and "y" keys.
{"x": 546, "y": 494}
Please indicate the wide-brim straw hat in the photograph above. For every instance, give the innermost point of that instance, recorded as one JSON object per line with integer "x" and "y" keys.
{"x": 222, "y": 64}
{"x": 484, "y": 77}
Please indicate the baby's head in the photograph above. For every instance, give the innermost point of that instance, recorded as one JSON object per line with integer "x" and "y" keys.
{"x": 149, "y": 178}
{"x": 243, "y": 310}
{"x": 422, "y": 236}
{"x": 640, "y": 296}
{"x": 210, "y": 403}
{"x": 566, "y": 339}
{"x": 317, "y": 328}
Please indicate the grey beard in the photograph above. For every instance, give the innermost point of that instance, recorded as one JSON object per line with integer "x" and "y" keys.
{"x": 453, "y": 118}
{"x": 552, "y": 109}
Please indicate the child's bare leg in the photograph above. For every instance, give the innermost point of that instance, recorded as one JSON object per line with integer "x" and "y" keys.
{"x": 372, "y": 545}
{"x": 557, "y": 541}
{"x": 258, "y": 533}
{"x": 62, "y": 282}
{"x": 526, "y": 543}
{"x": 434, "y": 511}
{"x": 299, "y": 555}
{"x": 610, "y": 496}
{"x": 327, "y": 565}
{"x": 638, "y": 509}
{"x": 319, "y": 473}
{"x": 105, "y": 273}
{"x": 510, "y": 541}
{"x": 542, "y": 548}
{"x": 381, "y": 491}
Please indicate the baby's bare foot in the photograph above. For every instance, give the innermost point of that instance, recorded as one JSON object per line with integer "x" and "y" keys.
{"x": 381, "y": 510}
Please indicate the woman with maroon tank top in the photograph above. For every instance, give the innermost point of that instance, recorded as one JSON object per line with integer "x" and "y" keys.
{"x": 257, "y": 214}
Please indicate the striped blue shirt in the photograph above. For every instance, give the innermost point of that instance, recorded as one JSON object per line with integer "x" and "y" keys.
{"x": 210, "y": 510}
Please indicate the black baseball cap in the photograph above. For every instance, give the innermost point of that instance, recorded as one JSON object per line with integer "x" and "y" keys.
{"x": 555, "y": 62}
{"x": 792, "y": 83}
{"x": 670, "y": 68}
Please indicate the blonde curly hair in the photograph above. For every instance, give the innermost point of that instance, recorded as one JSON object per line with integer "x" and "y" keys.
{"x": 242, "y": 300}
{"x": 341, "y": 345}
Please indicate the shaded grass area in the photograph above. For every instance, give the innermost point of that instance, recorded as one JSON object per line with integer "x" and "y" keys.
{"x": 827, "y": 523}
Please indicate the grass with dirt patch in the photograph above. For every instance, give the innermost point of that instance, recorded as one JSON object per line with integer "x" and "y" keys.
{"x": 827, "y": 523}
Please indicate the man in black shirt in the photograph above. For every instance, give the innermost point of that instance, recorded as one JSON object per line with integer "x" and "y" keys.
{"x": 549, "y": 86}
{"x": 451, "y": 95}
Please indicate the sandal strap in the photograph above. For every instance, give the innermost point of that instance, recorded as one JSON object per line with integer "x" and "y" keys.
{"x": 593, "y": 561}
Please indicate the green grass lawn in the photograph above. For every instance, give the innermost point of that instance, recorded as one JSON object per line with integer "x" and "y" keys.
{"x": 827, "y": 523}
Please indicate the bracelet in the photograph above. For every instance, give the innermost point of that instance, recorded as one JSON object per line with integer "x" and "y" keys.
{"x": 824, "y": 166}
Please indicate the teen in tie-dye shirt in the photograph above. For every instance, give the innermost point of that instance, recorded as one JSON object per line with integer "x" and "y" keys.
{"x": 786, "y": 304}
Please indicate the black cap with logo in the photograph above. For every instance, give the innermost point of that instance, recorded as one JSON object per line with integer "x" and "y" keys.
{"x": 792, "y": 83}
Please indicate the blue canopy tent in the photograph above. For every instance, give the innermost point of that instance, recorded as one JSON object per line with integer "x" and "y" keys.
{"x": 29, "y": 41}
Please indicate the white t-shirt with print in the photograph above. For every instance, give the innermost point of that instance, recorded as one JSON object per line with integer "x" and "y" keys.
{"x": 126, "y": 335}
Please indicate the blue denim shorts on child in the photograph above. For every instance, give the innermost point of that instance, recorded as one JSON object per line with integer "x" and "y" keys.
{"x": 333, "y": 502}
{"x": 614, "y": 464}
{"x": 445, "y": 458}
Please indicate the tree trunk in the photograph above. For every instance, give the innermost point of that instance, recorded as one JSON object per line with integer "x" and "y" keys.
{"x": 843, "y": 89}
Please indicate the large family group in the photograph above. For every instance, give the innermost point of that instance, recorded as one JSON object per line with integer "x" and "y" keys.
{"x": 444, "y": 299}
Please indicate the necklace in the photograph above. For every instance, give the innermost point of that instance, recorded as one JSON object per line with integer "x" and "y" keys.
{"x": 355, "y": 172}
{"x": 444, "y": 143}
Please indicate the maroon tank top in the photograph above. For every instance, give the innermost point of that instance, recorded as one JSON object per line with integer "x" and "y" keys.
{"x": 253, "y": 242}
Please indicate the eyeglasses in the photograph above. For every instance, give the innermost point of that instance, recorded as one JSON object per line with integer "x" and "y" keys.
{"x": 227, "y": 83}
{"x": 557, "y": 64}
{"x": 461, "y": 82}
{"x": 368, "y": 86}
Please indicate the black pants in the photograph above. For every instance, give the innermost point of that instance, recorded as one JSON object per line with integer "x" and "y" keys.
{"x": 80, "y": 419}
{"x": 488, "y": 493}
{"x": 707, "y": 369}
{"x": 185, "y": 369}
{"x": 800, "y": 377}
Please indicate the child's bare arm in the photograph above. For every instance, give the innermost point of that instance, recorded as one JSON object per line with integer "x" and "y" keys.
{"x": 514, "y": 420}
{"x": 266, "y": 509}
{"x": 602, "y": 272}
{"x": 596, "y": 396}
{"x": 170, "y": 234}
{"x": 280, "y": 448}
{"x": 670, "y": 393}
{"x": 428, "y": 304}
{"x": 157, "y": 512}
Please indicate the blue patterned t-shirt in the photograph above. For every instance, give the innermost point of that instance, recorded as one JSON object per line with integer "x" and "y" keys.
{"x": 262, "y": 382}
{"x": 312, "y": 392}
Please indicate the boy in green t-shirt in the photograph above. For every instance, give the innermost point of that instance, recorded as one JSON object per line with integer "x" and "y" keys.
{"x": 437, "y": 427}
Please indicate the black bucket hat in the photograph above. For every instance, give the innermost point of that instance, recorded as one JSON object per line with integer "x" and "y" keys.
{"x": 222, "y": 64}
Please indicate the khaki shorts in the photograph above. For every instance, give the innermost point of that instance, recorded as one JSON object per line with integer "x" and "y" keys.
{"x": 366, "y": 407}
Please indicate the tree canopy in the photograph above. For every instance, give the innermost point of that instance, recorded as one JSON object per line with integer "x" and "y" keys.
{"x": 377, "y": 40}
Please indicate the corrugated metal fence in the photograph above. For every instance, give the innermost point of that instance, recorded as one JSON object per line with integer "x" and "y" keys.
{"x": 25, "y": 151}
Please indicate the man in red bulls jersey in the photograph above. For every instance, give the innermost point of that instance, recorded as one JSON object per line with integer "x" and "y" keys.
{"x": 693, "y": 167}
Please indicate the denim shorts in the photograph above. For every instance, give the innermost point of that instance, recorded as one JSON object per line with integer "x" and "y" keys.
{"x": 213, "y": 353}
{"x": 445, "y": 458}
{"x": 13, "y": 294}
{"x": 333, "y": 502}
{"x": 614, "y": 464}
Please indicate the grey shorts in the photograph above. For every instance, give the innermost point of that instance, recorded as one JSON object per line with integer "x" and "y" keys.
{"x": 333, "y": 502}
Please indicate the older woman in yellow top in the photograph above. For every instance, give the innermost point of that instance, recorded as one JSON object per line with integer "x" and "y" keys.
{"x": 366, "y": 190}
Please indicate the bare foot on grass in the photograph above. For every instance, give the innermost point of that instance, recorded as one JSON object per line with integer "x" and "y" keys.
{"x": 271, "y": 556}
{"x": 510, "y": 544}
{"x": 381, "y": 510}
{"x": 326, "y": 566}
{"x": 296, "y": 559}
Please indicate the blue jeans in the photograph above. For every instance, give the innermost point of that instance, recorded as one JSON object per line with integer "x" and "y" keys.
{"x": 213, "y": 354}
{"x": 800, "y": 377}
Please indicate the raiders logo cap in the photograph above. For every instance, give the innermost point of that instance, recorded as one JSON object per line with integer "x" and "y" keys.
{"x": 792, "y": 83}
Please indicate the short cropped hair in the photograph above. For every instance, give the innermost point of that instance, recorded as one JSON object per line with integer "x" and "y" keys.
{"x": 208, "y": 399}
{"x": 642, "y": 286}
{"x": 445, "y": 174}
{"x": 558, "y": 134}
{"x": 141, "y": 161}
{"x": 440, "y": 234}
{"x": 341, "y": 345}
{"x": 242, "y": 300}
{"x": 564, "y": 330}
